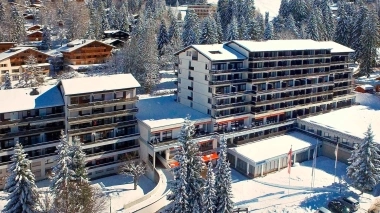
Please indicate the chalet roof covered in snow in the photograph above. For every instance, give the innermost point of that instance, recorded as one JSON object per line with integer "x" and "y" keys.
{"x": 78, "y": 43}
{"x": 15, "y": 100}
{"x": 353, "y": 120}
{"x": 15, "y": 50}
{"x": 274, "y": 147}
{"x": 98, "y": 83}
{"x": 336, "y": 47}
{"x": 165, "y": 111}
{"x": 278, "y": 45}
{"x": 216, "y": 52}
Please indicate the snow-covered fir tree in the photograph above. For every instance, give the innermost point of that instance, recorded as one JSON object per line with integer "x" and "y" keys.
{"x": 2, "y": 12}
{"x": 260, "y": 26}
{"x": 223, "y": 182}
{"x": 268, "y": 33}
{"x": 105, "y": 25}
{"x": 113, "y": 20}
{"x": 299, "y": 10}
{"x": 312, "y": 27}
{"x": 7, "y": 81}
{"x": 78, "y": 161}
{"x": 369, "y": 41}
{"x": 248, "y": 10}
{"x": 123, "y": 17}
{"x": 253, "y": 29}
{"x": 243, "y": 29}
{"x": 364, "y": 168}
{"x": 278, "y": 26}
{"x": 17, "y": 30}
{"x": 223, "y": 11}
{"x": 209, "y": 196}
{"x": 190, "y": 32}
{"x": 357, "y": 31}
{"x": 162, "y": 38}
{"x": 284, "y": 8}
{"x": 328, "y": 20}
{"x": 46, "y": 38}
{"x": 232, "y": 30}
{"x": 189, "y": 178}
{"x": 20, "y": 186}
{"x": 219, "y": 29}
{"x": 209, "y": 34}
{"x": 174, "y": 29}
{"x": 343, "y": 27}
{"x": 32, "y": 76}
{"x": 266, "y": 19}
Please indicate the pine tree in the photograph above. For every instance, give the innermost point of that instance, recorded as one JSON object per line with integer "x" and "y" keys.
{"x": 209, "y": 195}
{"x": 7, "y": 81}
{"x": 364, "y": 169}
{"x": 225, "y": 16}
{"x": 162, "y": 38}
{"x": 248, "y": 10}
{"x": 208, "y": 31}
{"x": 123, "y": 17}
{"x": 266, "y": 20}
{"x": 188, "y": 174}
{"x": 113, "y": 17}
{"x": 369, "y": 41}
{"x": 312, "y": 28}
{"x": 260, "y": 25}
{"x": 284, "y": 8}
{"x": 278, "y": 26}
{"x": 291, "y": 27}
{"x": 23, "y": 195}
{"x": 79, "y": 162}
{"x": 104, "y": 18}
{"x": 243, "y": 29}
{"x": 17, "y": 31}
{"x": 2, "y": 12}
{"x": 343, "y": 28}
{"x": 223, "y": 181}
{"x": 219, "y": 29}
{"x": 253, "y": 29}
{"x": 232, "y": 30}
{"x": 46, "y": 38}
{"x": 32, "y": 76}
{"x": 190, "y": 29}
{"x": 268, "y": 33}
{"x": 299, "y": 10}
{"x": 328, "y": 20}
{"x": 356, "y": 43}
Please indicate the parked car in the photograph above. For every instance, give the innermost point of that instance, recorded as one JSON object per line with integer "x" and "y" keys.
{"x": 323, "y": 210}
{"x": 351, "y": 203}
{"x": 337, "y": 206}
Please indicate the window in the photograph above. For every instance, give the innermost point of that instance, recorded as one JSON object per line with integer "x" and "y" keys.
{"x": 208, "y": 111}
{"x": 206, "y": 78}
{"x": 209, "y": 90}
{"x": 4, "y": 71}
{"x": 344, "y": 140}
{"x": 15, "y": 71}
{"x": 206, "y": 66}
{"x": 209, "y": 100}
{"x": 3, "y": 65}
{"x": 319, "y": 132}
{"x": 326, "y": 135}
{"x": 166, "y": 135}
{"x": 15, "y": 77}
{"x": 188, "y": 53}
{"x": 179, "y": 71}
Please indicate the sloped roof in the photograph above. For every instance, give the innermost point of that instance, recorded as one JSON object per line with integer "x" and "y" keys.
{"x": 16, "y": 50}
{"x": 76, "y": 44}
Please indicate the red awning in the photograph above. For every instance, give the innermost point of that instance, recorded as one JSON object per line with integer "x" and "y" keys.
{"x": 173, "y": 164}
{"x": 207, "y": 158}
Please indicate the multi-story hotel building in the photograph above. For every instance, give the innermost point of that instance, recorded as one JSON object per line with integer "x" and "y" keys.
{"x": 100, "y": 111}
{"x": 258, "y": 89}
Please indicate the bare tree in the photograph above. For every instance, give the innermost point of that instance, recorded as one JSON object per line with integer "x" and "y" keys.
{"x": 375, "y": 206}
{"x": 134, "y": 169}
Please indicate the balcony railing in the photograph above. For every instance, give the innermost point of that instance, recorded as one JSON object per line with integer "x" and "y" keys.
{"x": 99, "y": 127}
{"x": 233, "y": 114}
{"x": 255, "y": 80}
{"x": 216, "y": 82}
{"x": 175, "y": 140}
{"x": 294, "y": 87}
{"x": 31, "y": 131}
{"x": 33, "y": 119}
{"x": 26, "y": 146}
{"x": 228, "y": 71}
{"x": 103, "y": 115}
{"x": 265, "y": 102}
{"x": 280, "y": 68}
{"x": 220, "y": 106}
{"x": 289, "y": 57}
{"x": 217, "y": 94}
{"x": 100, "y": 103}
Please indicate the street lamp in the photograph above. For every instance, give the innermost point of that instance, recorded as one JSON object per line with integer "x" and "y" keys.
{"x": 108, "y": 194}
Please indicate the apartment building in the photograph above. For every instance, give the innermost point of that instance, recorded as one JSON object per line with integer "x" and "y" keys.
{"x": 35, "y": 118}
{"x": 254, "y": 90}
{"x": 203, "y": 10}
{"x": 14, "y": 59}
{"x": 101, "y": 112}
{"x": 82, "y": 51}
{"x": 160, "y": 120}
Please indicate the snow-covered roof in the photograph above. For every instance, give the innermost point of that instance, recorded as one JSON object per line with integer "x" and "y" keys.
{"x": 216, "y": 52}
{"x": 366, "y": 86}
{"x": 16, "y": 50}
{"x": 274, "y": 147}
{"x": 15, "y": 100}
{"x": 98, "y": 83}
{"x": 335, "y": 47}
{"x": 277, "y": 45}
{"x": 114, "y": 31}
{"x": 78, "y": 43}
{"x": 38, "y": 65}
{"x": 84, "y": 66}
{"x": 111, "y": 40}
{"x": 353, "y": 120}
{"x": 165, "y": 111}
{"x": 32, "y": 32}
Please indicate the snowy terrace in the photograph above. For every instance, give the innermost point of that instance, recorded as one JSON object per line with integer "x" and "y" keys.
{"x": 262, "y": 157}
{"x": 352, "y": 121}
{"x": 373, "y": 80}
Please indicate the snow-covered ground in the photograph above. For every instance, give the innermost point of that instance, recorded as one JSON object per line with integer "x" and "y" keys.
{"x": 373, "y": 80}
{"x": 271, "y": 192}
{"x": 119, "y": 187}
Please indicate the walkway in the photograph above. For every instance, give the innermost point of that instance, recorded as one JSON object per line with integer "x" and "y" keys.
{"x": 158, "y": 200}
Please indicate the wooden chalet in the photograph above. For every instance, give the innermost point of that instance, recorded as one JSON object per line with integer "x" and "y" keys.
{"x": 116, "y": 34}
{"x": 114, "y": 42}
{"x": 34, "y": 36}
{"x": 4, "y": 46}
{"x": 34, "y": 28}
{"x": 82, "y": 51}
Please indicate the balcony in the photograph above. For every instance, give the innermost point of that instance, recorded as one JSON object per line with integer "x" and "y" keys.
{"x": 190, "y": 88}
{"x": 289, "y": 57}
{"x": 102, "y": 103}
{"x": 265, "y": 102}
{"x": 191, "y": 78}
{"x": 213, "y": 72}
{"x": 33, "y": 119}
{"x": 283, "y": 68}
{"x": 189, "y": 98}
{"x": 100, "y": 127}
{"x": 256, "y": 80}
{"x": 234, "y": 114}
{"x": 220, "y": 106}
{"x": 294, "y": 87}
{"x": 216, "y": 82}
{"x": 103, "y": 115}
{"x": 174, "y": 141}
{"x": 32, "y": 131}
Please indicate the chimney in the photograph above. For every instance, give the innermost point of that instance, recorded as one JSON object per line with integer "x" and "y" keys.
{"x": 34, "y": 91}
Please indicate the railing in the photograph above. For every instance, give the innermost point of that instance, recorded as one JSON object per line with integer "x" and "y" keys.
{"x": 234, "y": 114}
{"x": 233, "y": 93}
{"x": 227, "y": 81}
{"x": 104, "y": 114}
{"x": 32, "y": 119}
{"x": 110, "y": 138}
{"x": 294, "y": 87}
{"x": 342, "y": 79}
{"x": 105, "y": 126}
{"x": 228, "y": 71}
{"x": 112, "y": 151}
{"x": 290, "y": 67}
{"x": 99, "y": 103}
{"x": 220, "y": 106}
{"x": 175, "y": 140}
{"x": 255, "y": 80}
{"x": 339, "y": 62}
{"x": 31, "y": 131}
{"x": 288, "y": 57}
{"x": 259, "y": 103}
{"x": 31, "y": 145}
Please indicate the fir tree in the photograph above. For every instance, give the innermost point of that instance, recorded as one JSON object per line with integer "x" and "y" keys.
{"x": 209, "y": 195}
{"x": 113, "y": 17}
{"x": 364, "y": 170}
{"x": 260, "y": 25}
{"x": 266, "y": 20}
{"x": 284, "y": 8}
{"x": 46, "y": 38}
{"x": 243, "y": 29}
{"x": 17, "y": 31}
{"x": 190, "y": 29}
{"x": 23, "y": 195}
{"x": 232, "y": 30}
{"x": 369, "y": 41}
{"x": 79, "y": 162}
{"x": 253, "y": 29}
{"x": 328, "y": 20}
{"x": 291, "y": 27}
{"x": 268, "y": 34}
{"x": 299, "y": 10}
{"x": 123, "y": 17}
{"x": 162, "y": 38}
{"x": 343, "y": 28}
{"x": 223, "y": 181}
{"x": 357, "y": 31}
{"x": 208, "y": 31}
{"x": 7, "y": 81}
{"x": 278, "y": 26}
{"x": 219, "y": 29}
{"x": 223, "y": 11}
{"x": 2, "y": 12}
{"x": 312, "y": 28}
{"x": 248, "y": 10}
{"x": 104, "y": 19}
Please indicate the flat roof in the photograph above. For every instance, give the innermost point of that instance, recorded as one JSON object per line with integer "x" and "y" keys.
{"x": 353, "y": 120}
{"x": 336, "y": 47}
{"x": 277, "y": 45}
{"x": 216, "y": 52}
{"x": 15, "y": 100}
{"x": 163, "y": 111}
{"x": 99, "y": 83}
{"x": 274, "y": 147}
